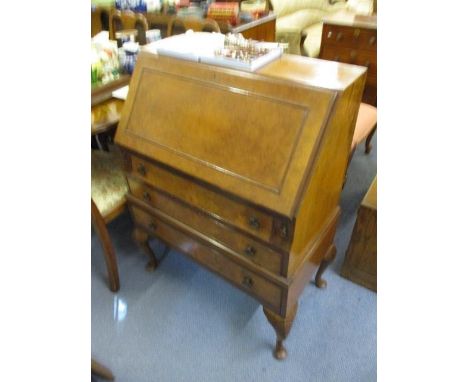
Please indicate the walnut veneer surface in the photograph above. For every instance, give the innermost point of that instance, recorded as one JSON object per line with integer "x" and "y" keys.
{"x": 360, "y": 265}
{"x": 242, "y": 171}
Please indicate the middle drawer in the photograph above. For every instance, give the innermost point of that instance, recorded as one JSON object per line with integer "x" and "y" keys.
{"x": 243, "y": 245}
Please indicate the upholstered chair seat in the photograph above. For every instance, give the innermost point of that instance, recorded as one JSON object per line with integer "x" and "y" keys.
{"x": 366, "y": 125}
{"x": 108, "y": 190}
{"x": 108, "y": 183}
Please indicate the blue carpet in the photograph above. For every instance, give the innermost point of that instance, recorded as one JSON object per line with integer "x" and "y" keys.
{"x": 183, "y": 323}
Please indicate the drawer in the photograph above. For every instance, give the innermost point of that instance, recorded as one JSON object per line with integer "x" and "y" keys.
{"x": 352, "y": 56}
{"x": 233, "y": 212}
{"x": 351, "y": 37}
{"x": 262, "y": 289}
{"x": 243, "y": 245}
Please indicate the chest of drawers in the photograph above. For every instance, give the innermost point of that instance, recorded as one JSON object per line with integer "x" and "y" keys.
{"x": 240, "y": 171}
{"x": 353, "y": 39}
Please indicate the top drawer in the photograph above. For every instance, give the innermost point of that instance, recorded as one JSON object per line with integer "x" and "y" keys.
{"x": 273, "y": 229}
{"x": 361, "y": 38}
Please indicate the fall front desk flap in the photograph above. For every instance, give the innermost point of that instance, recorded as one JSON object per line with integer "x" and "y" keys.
{"x": 250, "y": 134}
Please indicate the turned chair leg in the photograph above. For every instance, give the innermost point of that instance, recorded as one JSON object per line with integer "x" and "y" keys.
{"x": 142, "y": 238}
{"x": 109, "y": 253}
{"x": 326, "y": 261}
{"x": 282, "y": 326}
{"x": 369, "y": 138}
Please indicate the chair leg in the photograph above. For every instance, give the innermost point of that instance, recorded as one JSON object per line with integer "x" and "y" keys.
{"x": 101, "y": 371}
{"x": 369, "y": 138}
{"x": 109, "y": 253}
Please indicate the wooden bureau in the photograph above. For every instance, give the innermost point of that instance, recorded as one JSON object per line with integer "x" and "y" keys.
{"x": 351, "y": 38}
{"x": 242, "y": 171}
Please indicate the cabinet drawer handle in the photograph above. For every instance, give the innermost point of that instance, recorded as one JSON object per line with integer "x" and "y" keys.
{"x": 372, "y": 40}
{"x": 253, "y": 222}
{"x": 141, "y": 169}
{"x": 147, "y": 196}
{"x": 250, "y": 251}
{"x": 152, "y": 226}
{"x": 247, "y": 281}
{"x": 356, "y": 33}
{"x": 330, "y": 34}
{"x": 339, "y": 36}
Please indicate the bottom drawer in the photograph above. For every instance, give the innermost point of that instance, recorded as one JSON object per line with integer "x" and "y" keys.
{"x": 266, "y": 292}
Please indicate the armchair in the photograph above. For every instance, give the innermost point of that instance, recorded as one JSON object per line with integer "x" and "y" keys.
{"x": 299, "y": 22}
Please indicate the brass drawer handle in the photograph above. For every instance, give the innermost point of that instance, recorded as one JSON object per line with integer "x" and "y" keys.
{"x": 141, "y": 169}
{"x": 356, "y": 33}
{"x": 250, "y": 251}
{"x": 253, "y": 222}
{"x": 339, "y": 36}
{"x": 372, "y": 40}
{"x": 147, "y": 196}
{"x": 247, "y": 281}
{"x": 152, "y": 226}
{"x": 330, "y": 34}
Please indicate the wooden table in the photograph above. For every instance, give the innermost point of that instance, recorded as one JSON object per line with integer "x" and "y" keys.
{"x": 262, "y": 29}
{"x": 105, "y": 110}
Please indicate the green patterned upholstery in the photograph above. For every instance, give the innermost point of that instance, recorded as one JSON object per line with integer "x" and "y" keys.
{"x": 108, "y": 183}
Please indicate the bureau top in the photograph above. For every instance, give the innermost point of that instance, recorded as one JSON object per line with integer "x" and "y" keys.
{"x": 253, "y": 135}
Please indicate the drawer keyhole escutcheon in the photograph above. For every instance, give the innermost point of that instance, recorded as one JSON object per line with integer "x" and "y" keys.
{"x": 141, "y": 169}
{"x": 253, "y": 222}
{"x": 247, "y": 281}
{"x": 147, "y": 196}
{"x": 152, "y": 226}
{"x": 250, "y": 251}
{"x": 284, "y": 231}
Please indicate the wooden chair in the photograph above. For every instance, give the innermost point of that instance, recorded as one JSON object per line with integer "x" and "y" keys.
{"x": 108, "y": 190}
{"x": 179, "y": 25}
{"x": 366, "y": 125}
{"x": 160, "y": 21}
{"x": 122, "y": 20}
{"x": 99, "y": 20}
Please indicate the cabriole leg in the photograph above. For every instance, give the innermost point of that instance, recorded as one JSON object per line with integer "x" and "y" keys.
{"x": 326, "y": 261}
{"x": 282, "y": 326}
{"x": 141, "y": 238}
